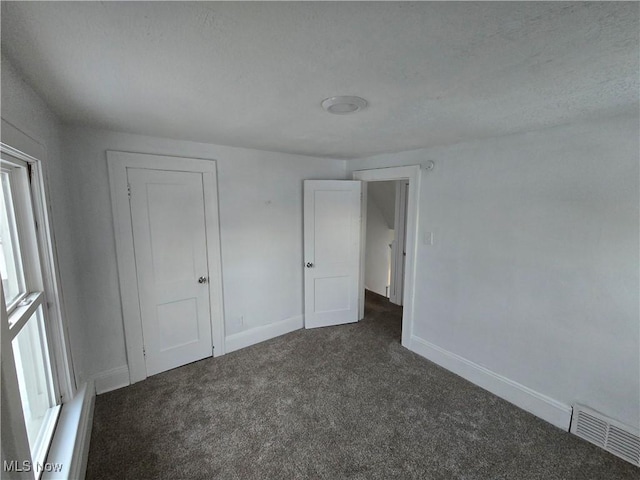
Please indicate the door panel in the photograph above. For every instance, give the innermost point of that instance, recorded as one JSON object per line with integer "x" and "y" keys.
{"x": 170, "y": 315}
{"x": 332, "y": 215}
{"x": 331, "y": 294}
{"x": 169, "y": 236}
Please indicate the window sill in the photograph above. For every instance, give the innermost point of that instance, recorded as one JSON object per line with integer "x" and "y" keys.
{"x": 70, "y": 445}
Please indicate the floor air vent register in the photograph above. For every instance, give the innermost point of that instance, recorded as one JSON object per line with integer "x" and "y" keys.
{"x": 606, "y": 433}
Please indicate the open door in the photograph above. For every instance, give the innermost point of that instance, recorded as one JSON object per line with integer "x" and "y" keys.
{"x": 399, "y": 253}
{"x": 332, "y": 216}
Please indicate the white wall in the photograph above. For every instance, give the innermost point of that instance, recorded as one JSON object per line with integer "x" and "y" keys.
{"x": 533, "y": 273}
{"x": 378, "y": 252}
{"x": 260, "y": 196}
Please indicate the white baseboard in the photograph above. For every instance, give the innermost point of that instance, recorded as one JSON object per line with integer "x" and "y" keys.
{"x": 540, "y": 405}
{"x": 111, "y": 379}
{"x": 70, "y": 444}
{"x": 260, "y": 334}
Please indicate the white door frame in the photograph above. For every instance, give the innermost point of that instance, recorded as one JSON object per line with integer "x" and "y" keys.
{"x": 118, "y": 163}
{"x": 411, "y": 173}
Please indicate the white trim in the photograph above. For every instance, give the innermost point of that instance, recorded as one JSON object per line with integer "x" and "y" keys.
{"x": 111, "y": 379}
{"x": 553, "y": 411}
{"x": 70, "y": 445}
{"x": 364, "y": 204}
{"x": 411, "y": 173}
{"x": 21, "y": 142}
{"x": 54, "y": 297}
{"x": 214, "y": 256}
{"x": 118, "y": 162}
{"x": 265, "y": 332}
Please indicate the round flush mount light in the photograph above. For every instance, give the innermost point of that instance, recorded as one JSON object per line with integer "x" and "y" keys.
{"x": 344, "y": 105}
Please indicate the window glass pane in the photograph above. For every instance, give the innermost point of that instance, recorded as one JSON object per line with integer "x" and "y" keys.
{"x": 10, "y": 264}
{"x": 34, "y": 378}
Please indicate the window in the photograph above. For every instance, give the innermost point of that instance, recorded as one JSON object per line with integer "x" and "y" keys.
{"x": 10, "y": 266}
{"x": 24, "y": 301}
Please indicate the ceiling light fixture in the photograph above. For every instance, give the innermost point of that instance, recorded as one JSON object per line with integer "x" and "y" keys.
{"x": 344, "y": 105}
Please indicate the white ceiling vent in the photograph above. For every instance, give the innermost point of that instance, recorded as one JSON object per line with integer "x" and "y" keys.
{"x": 606, "y": 433}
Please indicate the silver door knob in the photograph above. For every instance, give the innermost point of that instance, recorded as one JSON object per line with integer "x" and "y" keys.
{"x": 202, "y": 280}
{"x": 309, "y": 264}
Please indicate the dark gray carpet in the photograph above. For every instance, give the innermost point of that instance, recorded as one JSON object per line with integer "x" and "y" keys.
{"x": 331, "y": 403}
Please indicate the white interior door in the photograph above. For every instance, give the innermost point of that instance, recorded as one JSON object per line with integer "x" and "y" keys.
{"x": 332, "y": 217}
{"x": 170, "y": 245}
{"x": 399, "y": 253}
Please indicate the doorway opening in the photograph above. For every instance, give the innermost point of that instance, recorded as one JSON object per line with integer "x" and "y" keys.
{"x": 387, "y": 255}
{"x": 385, "y": 252}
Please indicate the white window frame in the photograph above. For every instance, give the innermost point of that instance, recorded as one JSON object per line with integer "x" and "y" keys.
{"x": 42, "y": 285}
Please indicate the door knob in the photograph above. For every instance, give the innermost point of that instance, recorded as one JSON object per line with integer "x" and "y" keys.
{"x": 309, "y": 264}
{"x": 202, "y": 280}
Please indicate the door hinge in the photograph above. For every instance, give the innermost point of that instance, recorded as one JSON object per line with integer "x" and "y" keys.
{"x": 144, "y": 352}
{"x": 129, "y": 190}
{"x": 30, "y": 172}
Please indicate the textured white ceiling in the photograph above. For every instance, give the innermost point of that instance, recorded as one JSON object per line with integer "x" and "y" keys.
{"x": 254, "y": 74}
